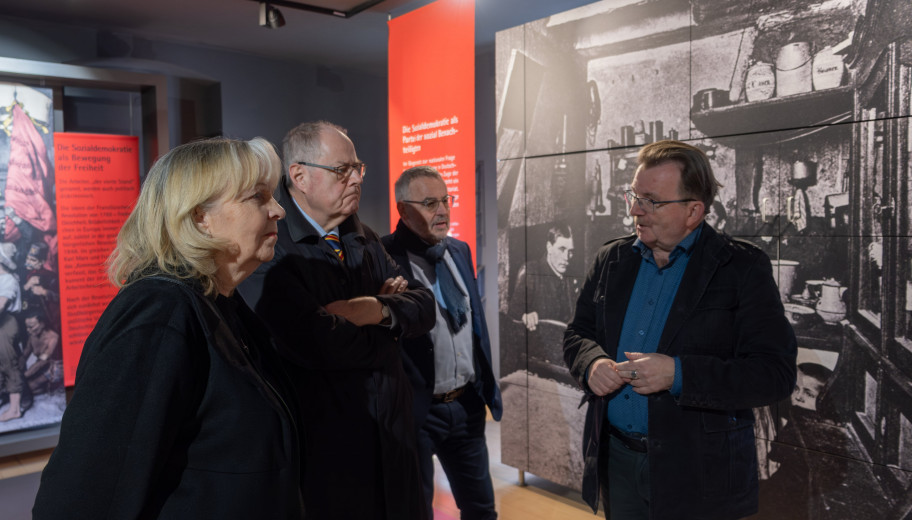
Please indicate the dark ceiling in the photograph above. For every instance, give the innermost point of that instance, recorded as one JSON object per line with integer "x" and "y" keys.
{"x": 358, "y": 42}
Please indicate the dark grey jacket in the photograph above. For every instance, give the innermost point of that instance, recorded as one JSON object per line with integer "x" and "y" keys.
{"x": 419, "y": 352}
{"x": 737, "y": 352}
{"x": 355, "y": 397}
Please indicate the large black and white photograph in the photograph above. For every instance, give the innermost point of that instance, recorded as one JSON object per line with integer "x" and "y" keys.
{"x": 803, "y": 110}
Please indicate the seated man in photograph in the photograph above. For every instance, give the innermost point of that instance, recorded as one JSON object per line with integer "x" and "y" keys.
{"x": 41, "y": 361}
{"x": 544, "y": 286}
{"x": 543, "y": 301}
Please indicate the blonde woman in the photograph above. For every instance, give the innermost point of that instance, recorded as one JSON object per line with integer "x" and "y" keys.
{"x": 180, "y": 408}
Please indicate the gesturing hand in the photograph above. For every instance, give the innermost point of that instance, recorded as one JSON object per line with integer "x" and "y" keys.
{"x": 647, "y": 373}
{"x": 603, "y": 378}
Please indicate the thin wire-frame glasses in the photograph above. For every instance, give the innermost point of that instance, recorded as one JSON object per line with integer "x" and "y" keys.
{"x": 433, "y": 204}
{"x": 648, "y": 205}
{"x": 344, "y": 171}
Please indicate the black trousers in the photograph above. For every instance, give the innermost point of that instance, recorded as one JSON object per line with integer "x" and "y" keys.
{"x": 455, "y": 432}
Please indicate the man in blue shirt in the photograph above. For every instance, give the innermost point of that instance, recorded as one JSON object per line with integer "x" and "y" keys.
{"x": 678, "y": 333}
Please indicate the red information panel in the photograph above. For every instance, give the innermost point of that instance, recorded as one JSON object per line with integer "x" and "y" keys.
{"x": 432, "y": 103}
{"x": 97, "y": 185}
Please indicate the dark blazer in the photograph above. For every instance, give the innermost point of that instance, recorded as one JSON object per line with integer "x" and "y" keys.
{"x": 355, "y": 396}
{"x": 175, "y": 416}
{"x": 419, "y": 351}
{"x": 737, "y": 352}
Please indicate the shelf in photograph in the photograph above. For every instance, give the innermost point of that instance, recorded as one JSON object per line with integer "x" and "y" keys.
{"x": 780, "y": 119}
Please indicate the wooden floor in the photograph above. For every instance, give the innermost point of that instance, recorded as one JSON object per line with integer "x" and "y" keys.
{"x": 539, "y": 499}
{"x": 24, "y": 464}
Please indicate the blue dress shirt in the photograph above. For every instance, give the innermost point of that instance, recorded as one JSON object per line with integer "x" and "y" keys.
{"x": 653, "y": 293}
{"x": 313, "y": 222}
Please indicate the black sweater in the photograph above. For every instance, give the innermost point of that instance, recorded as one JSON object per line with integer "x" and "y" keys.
{"x": 179, "y": 411}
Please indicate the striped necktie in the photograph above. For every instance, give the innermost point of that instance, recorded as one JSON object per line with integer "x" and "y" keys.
{"x": 335, "y": 244}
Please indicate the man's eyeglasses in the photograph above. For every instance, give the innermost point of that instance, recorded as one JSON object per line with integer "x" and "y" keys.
{"x": 344, "y": 171}
{"x": 432, "y": 204}
{"x": 648, "y": 205}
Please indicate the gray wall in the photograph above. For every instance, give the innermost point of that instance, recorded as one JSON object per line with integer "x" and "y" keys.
{"x": 259, "y": 96}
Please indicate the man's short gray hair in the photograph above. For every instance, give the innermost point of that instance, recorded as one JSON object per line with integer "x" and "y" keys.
{"x": 405, "y": 180}
{"x": 302, "y": 143}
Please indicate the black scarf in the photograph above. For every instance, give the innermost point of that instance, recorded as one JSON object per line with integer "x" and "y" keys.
{"x": 454, "y": 301}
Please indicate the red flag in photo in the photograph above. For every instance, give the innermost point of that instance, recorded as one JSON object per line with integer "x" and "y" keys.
{"x": 28, "y": 174}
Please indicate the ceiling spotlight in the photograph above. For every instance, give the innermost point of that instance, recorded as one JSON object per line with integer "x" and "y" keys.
{"x": 270, "y": 16}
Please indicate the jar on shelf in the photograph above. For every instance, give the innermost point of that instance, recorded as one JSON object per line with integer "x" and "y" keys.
{"x": 760, "y": 82}
{"x": 828, "y": 69}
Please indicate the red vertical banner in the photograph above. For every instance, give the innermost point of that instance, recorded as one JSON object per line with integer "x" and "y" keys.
{"x": 432, "y": 103}
{"x": 97, "y": 186}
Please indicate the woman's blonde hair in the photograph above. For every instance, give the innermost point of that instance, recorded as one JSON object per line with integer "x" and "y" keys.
{"x": 161, "y": 236}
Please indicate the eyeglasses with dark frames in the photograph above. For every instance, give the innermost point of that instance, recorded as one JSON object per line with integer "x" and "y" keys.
{"x": 433, "y": 204}
{"x": 343, "y": 172}
{"x": 648, "y": 205}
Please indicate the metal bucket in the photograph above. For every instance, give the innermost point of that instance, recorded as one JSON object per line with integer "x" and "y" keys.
{"x": 793, "y": 69}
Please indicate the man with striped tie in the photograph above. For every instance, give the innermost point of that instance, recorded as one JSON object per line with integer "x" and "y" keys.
{"x": 337, "y": 303}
